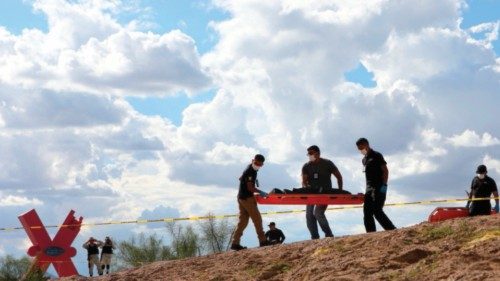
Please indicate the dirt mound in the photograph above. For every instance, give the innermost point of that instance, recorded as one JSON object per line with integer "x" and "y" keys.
{"x": 461, "y": 249}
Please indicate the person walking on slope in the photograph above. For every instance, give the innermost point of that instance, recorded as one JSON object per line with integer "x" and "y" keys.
{"x": 248, "y": 205}
{"x": 107, "y": 254}
{"x": 482, "y": 186}
{"x": 377, "y": 175}
{"x": 316, "y": 174}
{"x": 92, "y": 246}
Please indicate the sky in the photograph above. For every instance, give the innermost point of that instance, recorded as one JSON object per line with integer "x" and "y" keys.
{"x": 127, "y": 109}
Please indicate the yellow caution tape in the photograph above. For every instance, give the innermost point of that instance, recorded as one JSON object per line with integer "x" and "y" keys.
{"x": 197, "y": 218}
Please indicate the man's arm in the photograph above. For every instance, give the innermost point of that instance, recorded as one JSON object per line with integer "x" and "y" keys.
{"x": 85, "y": 245}
{"x": 385, "y": 174}
{"x": 305, "y": 180}
{"x": 282, "y": 237}
{"x": 337, "y": 174}
{"x": 495, "y": 193}
{"x": 251, "y": 187}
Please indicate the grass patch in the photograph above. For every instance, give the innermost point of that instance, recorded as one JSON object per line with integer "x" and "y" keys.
{"x": 437, "y": 233}
{"x": 281, "y": 267}
{"x": 252, "y": 270}
{"x": 483, "y": 236}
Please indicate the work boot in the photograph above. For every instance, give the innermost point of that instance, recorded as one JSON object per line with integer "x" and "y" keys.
{"x": 237, "y": 247}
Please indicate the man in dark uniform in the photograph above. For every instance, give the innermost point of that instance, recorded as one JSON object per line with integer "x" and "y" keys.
{"x": 274, "y": 235}
{"x": 107, "y": 254}
{"x": 377, "y": 175}
{"x": 316, "y": 174}
{"x": 92, "y": 246}
{"x": 247, "y": 204}
{"x": 482, "y": 187}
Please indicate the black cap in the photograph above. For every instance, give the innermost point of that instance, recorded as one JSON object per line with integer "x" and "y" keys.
{"x": 272, "y": 223}
{"x": 481, "y": 169}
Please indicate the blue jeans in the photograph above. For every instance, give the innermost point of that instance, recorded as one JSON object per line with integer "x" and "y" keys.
{"x": 315, "y": 214}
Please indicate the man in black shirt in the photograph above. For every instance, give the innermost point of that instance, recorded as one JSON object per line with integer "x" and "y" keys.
{"x": 247, "y": 204}
{"x": 482, "y": 186}
{"x": 92, "y": 246}
{"x": 377, "y": 175}
{"x": 107, "y": 254}
{"x": 316, "y": 174}
{"x": 274, "y": 235}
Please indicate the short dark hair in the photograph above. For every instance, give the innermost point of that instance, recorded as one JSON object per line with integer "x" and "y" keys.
{"x": 362, "y": 141}
{"x": 259, "y": 157}
{"x": 314, "y": 148}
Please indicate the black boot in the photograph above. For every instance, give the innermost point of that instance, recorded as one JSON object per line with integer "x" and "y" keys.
{"x": 237, "y": 247}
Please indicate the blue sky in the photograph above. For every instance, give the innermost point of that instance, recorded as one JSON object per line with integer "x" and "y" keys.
{"x": 79, "y": 106}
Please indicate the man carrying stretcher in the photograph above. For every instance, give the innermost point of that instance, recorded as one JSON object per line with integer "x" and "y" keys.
{"x": 316, "y": 174}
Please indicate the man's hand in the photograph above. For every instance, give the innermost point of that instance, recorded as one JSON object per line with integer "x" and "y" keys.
{"x": 383, "y": 188}
{"x": 263, "y": 194}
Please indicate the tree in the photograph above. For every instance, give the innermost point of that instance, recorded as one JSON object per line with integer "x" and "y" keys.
{"x": 216, "y": 234}
{"x": 185, "y": 242}
{"x": 15, "y": 269}
{"x": 143, "y": 249}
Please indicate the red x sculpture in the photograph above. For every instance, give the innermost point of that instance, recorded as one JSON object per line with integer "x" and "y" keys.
{"x": 46, "y": 251}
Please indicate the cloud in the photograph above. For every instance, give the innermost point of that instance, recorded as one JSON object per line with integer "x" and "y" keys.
{"x": 103, "y": 58}
{"x": 470, "y": 138}
{"x": 13, "y": 200}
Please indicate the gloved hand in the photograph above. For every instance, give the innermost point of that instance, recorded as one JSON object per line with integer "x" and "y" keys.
{"x": 383, "y": 188}
{"x": 497, "y": 208}
{"x": 263, "y": 194}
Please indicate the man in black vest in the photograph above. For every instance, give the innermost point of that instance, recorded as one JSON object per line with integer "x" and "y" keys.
{"x": 92, "y": 246}
{"x": 377, "y": 175}
{"x": 274, "y": 235}
{"x": 107, "y": 254}
{"x": 482, "y": 186}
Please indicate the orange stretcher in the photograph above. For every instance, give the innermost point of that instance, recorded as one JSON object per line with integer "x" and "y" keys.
{"x": 311, "y": 199}
{"x": 446, "y": 213}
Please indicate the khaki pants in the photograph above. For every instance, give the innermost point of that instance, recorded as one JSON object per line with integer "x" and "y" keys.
{"x": 106, "y": 259}
{"x": 248, "y": 209}
{"x": 94, "y": 260}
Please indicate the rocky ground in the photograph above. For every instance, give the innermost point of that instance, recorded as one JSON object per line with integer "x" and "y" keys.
{"x": 460, "y": 249}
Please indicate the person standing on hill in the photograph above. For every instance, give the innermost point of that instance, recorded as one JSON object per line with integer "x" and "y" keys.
{"x": 482, "y": 186}
{"x": 92, "y": 246}
{"x": 377, "y": 175}
{"x": 107, "y": 254}
{"x": 248, "y": 205}
{"x": 317, "y": 175}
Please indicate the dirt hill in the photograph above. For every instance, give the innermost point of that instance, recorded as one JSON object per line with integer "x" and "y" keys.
{"x": 461, "y": 249}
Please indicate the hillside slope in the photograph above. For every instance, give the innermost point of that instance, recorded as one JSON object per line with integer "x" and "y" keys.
{"x": 461, "y": 249}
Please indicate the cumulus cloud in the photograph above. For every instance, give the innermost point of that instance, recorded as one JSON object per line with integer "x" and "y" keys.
{"x": 470, "y": 138}
{"x": 104, "y": 57}
{"x": 13, "y": 200}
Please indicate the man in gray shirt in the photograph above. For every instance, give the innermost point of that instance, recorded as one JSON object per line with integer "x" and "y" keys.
{"x": 316, "y": 174}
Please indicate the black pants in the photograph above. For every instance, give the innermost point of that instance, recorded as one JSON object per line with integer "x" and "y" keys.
{"x": 372, "y": 209}
{"x": 480, "y": 208}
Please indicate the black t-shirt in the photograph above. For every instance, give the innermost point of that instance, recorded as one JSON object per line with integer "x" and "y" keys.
{"x": 319, "y": 174}
{"x": 107, "y": 249}
{"x": 249, "y": 175}
{"x": 93, "y": 249}
{"x": 373, "y": 162}
{"x": 483, "y": 187}
{"x": 275, "y": 235}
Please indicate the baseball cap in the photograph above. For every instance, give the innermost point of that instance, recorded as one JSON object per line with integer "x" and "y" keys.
{"x": 481, "y": 169}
